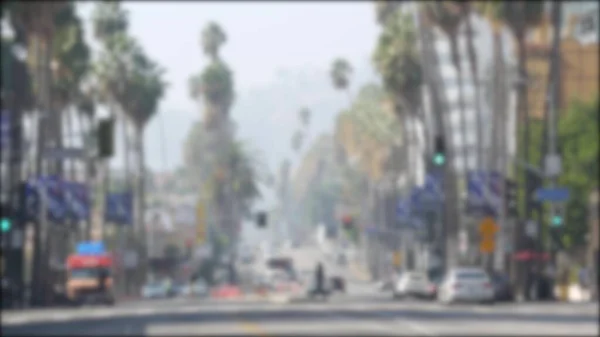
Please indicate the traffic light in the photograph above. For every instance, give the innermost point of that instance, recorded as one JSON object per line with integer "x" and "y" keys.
{"x": 510, "y": 198}
{"x": 6, "y": 220}
{"x": 348, "y": 222}
{"x": 439, "y": 154}
{"x": 106, "y": 144}
{"x": 261, "y": 219}
{"x": 557, "y": 216}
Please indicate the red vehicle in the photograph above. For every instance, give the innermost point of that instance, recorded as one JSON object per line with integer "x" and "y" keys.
{"x": 84, "y": 276}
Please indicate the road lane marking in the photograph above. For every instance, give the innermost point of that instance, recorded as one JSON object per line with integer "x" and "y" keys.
{"x": 254, "y": 329}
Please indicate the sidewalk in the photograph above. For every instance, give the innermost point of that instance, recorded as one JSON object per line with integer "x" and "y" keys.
{"x": 359, "y": 272}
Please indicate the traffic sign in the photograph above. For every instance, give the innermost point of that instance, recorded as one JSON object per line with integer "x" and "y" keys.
{"x": 200, "y": 224}
{"x": 488, "y": 226}
{"x": 555, "y": 194}
{"x": 487, "y": 246}
{"x": 488, "y": 229}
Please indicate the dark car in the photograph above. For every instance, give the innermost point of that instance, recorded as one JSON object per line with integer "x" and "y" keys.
{"x": 502, "y": 287}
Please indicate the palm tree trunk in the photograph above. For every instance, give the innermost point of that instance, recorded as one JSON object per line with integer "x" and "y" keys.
{"x": 522, "y": 101}
{"x": 449, "y": 214}
{"x": 139, "y": 203}
{"x": 71, "y": 136}
{"x": 465, "y": 130}
{"x": 127, "y": 149}
{"x": 477, "y": 92}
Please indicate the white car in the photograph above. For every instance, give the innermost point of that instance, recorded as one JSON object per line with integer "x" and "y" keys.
{"x": 466, "y": 285}
{"x": 412, "y": 284}
{"x": 155, "y": 290}
{"x": 199, "y": 288}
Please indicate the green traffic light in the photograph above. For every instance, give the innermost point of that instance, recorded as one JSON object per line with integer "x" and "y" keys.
{"x": 556, "y": 220}
{"x": 439, "y": 159}
{"x": 5, "y": 225}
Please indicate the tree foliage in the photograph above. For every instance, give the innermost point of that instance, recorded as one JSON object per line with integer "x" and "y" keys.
{"x": 340, "y": 73}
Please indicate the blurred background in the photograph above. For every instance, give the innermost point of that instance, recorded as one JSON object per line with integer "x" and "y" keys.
{"x": 198, "y": 151}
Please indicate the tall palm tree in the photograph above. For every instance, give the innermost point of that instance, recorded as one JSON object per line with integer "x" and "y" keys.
{"x": 340, "y": 75}
{"x": 145, "y": 88}
{"x": 467, "y": 11}
{"x": 34, "y": 22}
{"x": 520, "y": 17}
{"x": 72, "y": 56}
{"x": 448, "y": 16}
{"x": 213, "y": 38}
{"x": 397, "y": 60}
{"x": 304, "y": 115}
{"x": 297, "y": 139}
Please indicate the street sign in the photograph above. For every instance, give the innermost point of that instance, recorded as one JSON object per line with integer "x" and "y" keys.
{"x": 488, "y": 226}
{"x": 552, "y": 165}
{"x": 555, "y": 194}
{"x": 531, "y": 228}
{"x": 487, "y": 246}
{"x": 487, "y": 229}
{"x": 200, "y": 224}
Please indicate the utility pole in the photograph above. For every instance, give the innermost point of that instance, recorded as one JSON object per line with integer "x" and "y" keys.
{"x": 555, "y": 99}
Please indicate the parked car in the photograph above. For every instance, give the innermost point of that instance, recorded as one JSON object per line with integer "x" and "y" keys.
{"x": 412, "y": 284}
{"x": 182, "y": 290}
{"x": 502, "y": 288}
{"x": 466, "y": 285}
{"x": 199, "y": 288}
{"x": 155, "y": 290}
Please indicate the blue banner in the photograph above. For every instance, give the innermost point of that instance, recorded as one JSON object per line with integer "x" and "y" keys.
{"x": 77, "y": 198}
{"x": 484, "y": 191}
{"x": 64, "y": 200}
{"x": 119, "y": 208}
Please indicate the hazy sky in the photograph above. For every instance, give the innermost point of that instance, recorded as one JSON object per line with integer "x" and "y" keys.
{"x": 264, "y": 40}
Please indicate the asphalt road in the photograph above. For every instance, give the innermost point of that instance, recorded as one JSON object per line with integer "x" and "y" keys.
{"x": 361, "y": 312}
{"x": 354, "y": 314}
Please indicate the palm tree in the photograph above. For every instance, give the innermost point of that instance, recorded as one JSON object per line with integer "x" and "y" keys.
{"x": 213, "y": 38}
{"x": 33, "y": 23}
{"x": 448, "y": 17}
{"x": 340, "y": 75}
{"x": 145, "y": 88}
{"x": 297, "y": 139}
{"x": 467, "y": 10}
{"x": 397, "y": 60}
{"x": 72, "y": 56}
{"x": 304, "y": 115}
{"x": 521, "y": 16}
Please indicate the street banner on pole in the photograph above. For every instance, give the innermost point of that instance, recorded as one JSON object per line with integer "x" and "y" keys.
{"x": 119, "y": 208}
{"x": 200, "y": 224}
{"x": 77, "y": 198}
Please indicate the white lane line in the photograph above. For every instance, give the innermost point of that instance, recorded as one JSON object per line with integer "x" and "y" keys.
{"x": 102, "y": 313}
{"x": 16, "y": 320}
{"x": 61, "y": 316}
